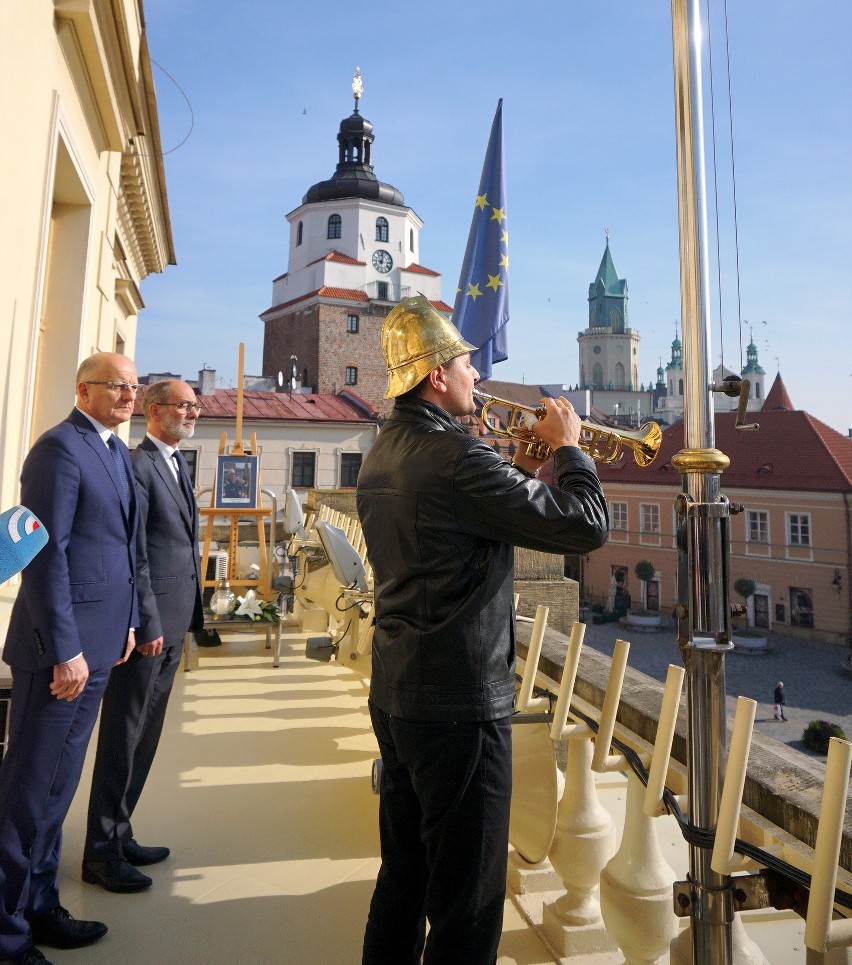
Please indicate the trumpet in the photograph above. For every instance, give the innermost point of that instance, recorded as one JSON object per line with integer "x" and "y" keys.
{"x": 602, "y": 443}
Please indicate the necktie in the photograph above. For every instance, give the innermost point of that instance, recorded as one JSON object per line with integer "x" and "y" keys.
{"x": 183, "y": 480}
{"x": 119, "y": 468}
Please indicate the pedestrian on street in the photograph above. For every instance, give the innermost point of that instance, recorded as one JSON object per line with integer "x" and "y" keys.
{"x": 780, "y": 700}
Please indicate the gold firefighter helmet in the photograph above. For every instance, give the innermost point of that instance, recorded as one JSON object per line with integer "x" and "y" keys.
{"x": 416, "y": 338}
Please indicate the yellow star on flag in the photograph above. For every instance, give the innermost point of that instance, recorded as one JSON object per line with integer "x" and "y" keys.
{"x": 504, "y": 260}
{"x": 481, "y": 201}
{"x": 498, "y": 214}
{"x": 473, "y": 290}
{"x": 494, "y": 282}
{"x": 504, "y": 237}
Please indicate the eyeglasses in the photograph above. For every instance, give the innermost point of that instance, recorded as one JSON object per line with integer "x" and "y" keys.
{"x": 183, "y": 406}
{"x": 120, "y": 386}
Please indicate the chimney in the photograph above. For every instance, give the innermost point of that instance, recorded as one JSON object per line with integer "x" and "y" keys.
{"x": 206, "y": 381}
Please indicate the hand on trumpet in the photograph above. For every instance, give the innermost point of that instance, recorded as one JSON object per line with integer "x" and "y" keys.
{"x": 560, "y": 426}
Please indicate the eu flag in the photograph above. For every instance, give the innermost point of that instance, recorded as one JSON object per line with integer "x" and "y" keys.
{"x": 481, "y": 310}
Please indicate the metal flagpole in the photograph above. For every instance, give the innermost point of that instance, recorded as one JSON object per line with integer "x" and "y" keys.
{"x": 702, "y": 514}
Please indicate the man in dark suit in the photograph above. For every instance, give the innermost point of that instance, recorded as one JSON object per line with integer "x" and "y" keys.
{"x": 72, "y": 621}
{"x": 168, "y": 586}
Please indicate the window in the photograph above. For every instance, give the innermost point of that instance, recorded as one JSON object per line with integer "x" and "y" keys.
{"x": 799, "y": 529}
{"x": 334, "y": 226}
{"x": 382, "y": 291}
{"x": 801, "y": 607}
{"x": 757, "y": 526}
{"x": 351, "y": 375}
{"x": 381, "y": 229}
{"x": 304, "y": 469}
{"x": 299, "y": 234}
{"x": 350, "y": 464}
{"x": 352, "y": 323}
{"x": 649, "y": 518}
{"x": 618, "y": 516}
{"x": 411, "y": 239}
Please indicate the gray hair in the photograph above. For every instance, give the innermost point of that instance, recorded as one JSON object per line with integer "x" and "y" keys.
{"x": 156, "y": 394}
{"x": 88, "y": 367}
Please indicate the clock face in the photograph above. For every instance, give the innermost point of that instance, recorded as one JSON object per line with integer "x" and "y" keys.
{"x": 382, "y": 261}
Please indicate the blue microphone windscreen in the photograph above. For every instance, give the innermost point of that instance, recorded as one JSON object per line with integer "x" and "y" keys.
{"x": 22, "y": 535}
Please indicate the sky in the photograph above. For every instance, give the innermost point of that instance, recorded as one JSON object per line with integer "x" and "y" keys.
{"x": 251, "y": 94}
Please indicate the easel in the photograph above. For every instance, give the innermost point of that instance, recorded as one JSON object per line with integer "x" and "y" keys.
{"x": 263, "y": 585}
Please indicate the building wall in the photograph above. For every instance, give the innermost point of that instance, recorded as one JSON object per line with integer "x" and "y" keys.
{"x": 775, "y": 566}
{"x": 317, "y": 335}
{"x": 85, "y": 215}
{"x": 277, "y": 442}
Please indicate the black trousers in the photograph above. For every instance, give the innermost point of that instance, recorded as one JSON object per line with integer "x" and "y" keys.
{"x": 446, "y": 789}
{"x": 132, "y": 717}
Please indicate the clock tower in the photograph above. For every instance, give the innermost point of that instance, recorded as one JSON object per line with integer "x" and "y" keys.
{"x": 354, "y": 253}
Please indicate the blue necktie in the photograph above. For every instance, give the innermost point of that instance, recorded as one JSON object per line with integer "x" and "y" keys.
{"x": 119, "y": 468}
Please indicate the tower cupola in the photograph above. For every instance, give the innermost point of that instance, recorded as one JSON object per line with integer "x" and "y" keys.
{"x": 354, "y": 177}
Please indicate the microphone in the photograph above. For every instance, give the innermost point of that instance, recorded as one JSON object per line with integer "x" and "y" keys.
{"x": 22, "y": 535}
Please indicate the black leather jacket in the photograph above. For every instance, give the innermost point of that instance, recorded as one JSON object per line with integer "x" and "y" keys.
{"x": 441, "y": 514}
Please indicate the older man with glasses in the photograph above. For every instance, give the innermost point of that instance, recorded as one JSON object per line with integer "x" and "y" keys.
{"x": 169, "y": 592}
{"x": 72, "y": 620}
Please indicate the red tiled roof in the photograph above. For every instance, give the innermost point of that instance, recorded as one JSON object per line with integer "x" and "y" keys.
{"x": 778, "y": 397}
{"x": 279, "y": 407}
{"x": 441, "y": 305}
{"x": 420, "y": 270}
{"x": 339, "y": 257}
{"x": 791, "y": 450}
{"x": 345, "y": 294}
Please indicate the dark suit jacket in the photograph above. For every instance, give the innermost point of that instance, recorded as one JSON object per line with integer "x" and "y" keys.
{"x": 168, "y": 566}
{"x": 78, "y": 594}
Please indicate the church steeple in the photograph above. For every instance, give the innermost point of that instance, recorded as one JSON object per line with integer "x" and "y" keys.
{"x": 677, "y": 354}
{"x": 608, "y": 297}
{"x": 354, "y": 177}
{"x": 752, "y": 367}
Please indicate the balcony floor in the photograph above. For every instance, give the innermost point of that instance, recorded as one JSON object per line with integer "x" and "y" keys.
{"x": 262, "y": 790}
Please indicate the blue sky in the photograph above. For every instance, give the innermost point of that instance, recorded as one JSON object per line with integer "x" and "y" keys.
{"x": 589, "y": 145}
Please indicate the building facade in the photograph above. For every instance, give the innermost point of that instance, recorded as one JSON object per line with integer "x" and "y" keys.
{"x": 85, "y": 210}
{"x": 792, "y": 539}
{"x": 304, "y": 441}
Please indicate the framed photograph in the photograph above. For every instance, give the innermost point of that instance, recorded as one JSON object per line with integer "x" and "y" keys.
{"x": 236, "y": 482}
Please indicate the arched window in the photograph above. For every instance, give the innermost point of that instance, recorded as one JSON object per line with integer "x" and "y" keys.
{"x": 299, "y": 233}
{"x": 597, "y": 376}
{"x": 381, "y": 229}
{"x": 334, "y": 226}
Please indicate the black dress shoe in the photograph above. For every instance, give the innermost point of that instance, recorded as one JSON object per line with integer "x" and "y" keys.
{"x": 32, "y": 956}
{"x": 139, "y": 855}
{"x": 59, "y": 929}
{"x": 119, "y": 876}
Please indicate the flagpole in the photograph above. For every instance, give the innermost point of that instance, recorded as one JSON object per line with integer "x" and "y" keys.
{"x": 702, "y": 514}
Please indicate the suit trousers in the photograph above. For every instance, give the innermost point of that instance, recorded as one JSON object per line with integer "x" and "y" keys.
{"x": 38, "y": 778}
{"x": 132, "y": 717}
{"x": 445, "y": 791}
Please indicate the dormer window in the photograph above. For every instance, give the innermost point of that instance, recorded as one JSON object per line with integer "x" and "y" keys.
{"x": 335, "y": 224}
{"x": 381, "y": 229}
